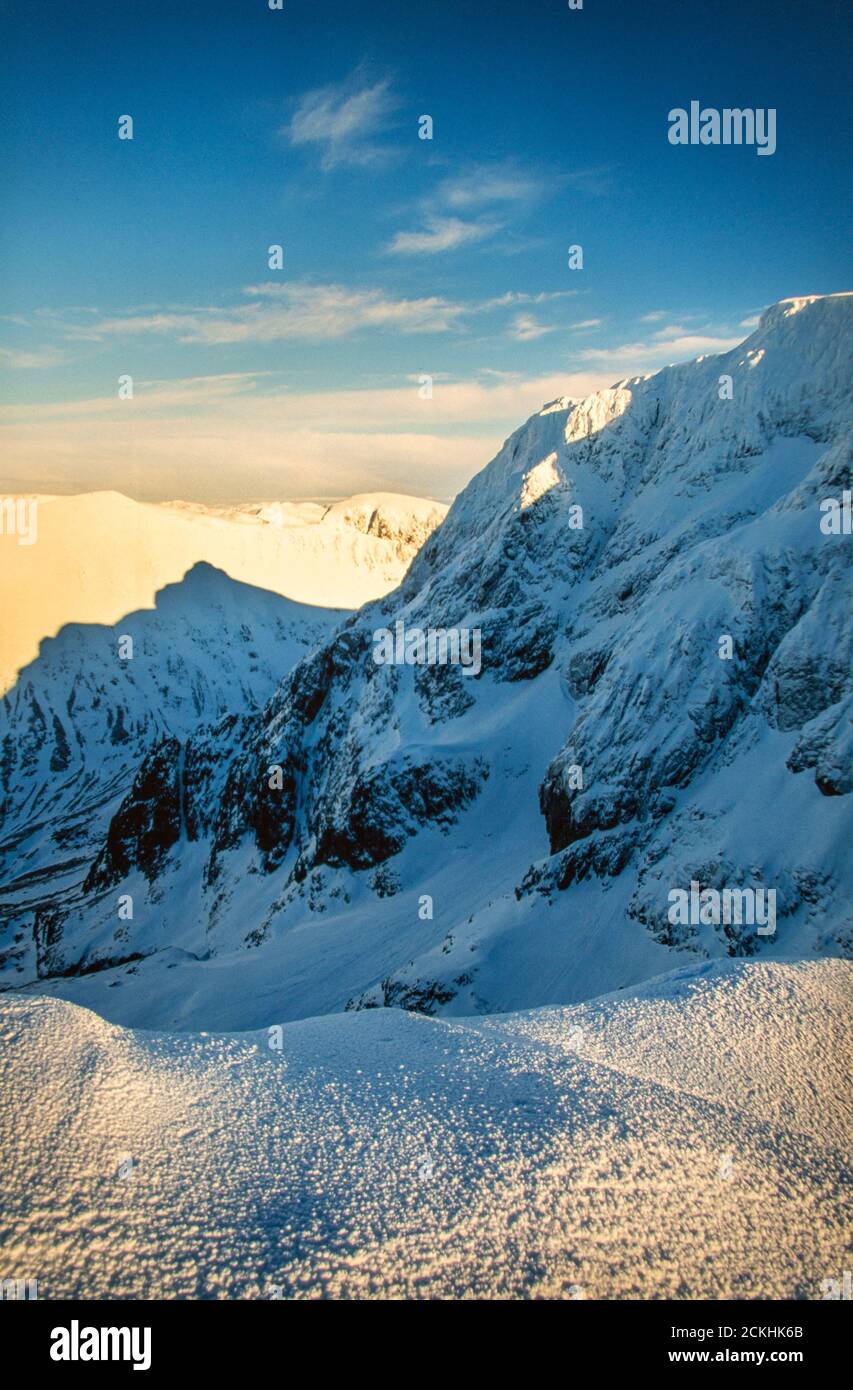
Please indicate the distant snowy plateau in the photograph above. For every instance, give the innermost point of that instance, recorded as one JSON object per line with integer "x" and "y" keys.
{"x": 418, "y": 1019}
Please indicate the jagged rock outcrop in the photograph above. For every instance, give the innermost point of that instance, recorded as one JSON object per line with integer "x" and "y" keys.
{"x": 148, "y": 822}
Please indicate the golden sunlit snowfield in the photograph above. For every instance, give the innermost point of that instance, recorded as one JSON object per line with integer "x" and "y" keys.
{"x": 98, "y": 556}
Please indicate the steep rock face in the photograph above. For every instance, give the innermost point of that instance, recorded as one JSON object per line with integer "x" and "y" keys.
{"x": 147, "y": 823}
{"x": 674, "y": 681}
{"x": 826, "y": 746}
{"x": 384, "y": 808}
{"x": 664, "y": 698}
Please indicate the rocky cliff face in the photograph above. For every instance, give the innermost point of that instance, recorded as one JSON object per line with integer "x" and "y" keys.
{"x": 665, "y": 698}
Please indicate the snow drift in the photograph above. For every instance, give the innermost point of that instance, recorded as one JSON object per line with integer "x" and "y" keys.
{"x": 685, "y": 1140}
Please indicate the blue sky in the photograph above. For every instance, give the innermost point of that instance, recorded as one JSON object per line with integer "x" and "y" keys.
{"x": 401, "y": 256}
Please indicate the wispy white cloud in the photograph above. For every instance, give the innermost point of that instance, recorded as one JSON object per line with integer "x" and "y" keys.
{"x": 486, "y": 193}
{"x": 298, "y": 311}
{"x": 255, "y": 396}
{"x": 672, "y": 330}
{"x": 340, "y": 121}
{"x": 525, "y": 328}
{"x": 151, "y": 396}
{"x": 512, "y": 298}
{"x": 640, "y": 357}
{"x": 439, "y": 234}
{"x": 588, "y": 323}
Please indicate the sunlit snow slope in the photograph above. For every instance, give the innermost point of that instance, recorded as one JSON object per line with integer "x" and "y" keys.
{"x": 685, "y": 1140}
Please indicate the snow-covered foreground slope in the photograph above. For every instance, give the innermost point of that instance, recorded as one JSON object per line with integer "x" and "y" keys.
{"x": 685, "y": 1140}
{"x": 98, "y": 556}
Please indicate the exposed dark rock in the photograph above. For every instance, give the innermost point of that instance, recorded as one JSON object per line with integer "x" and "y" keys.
{"x": 147, "y": 824}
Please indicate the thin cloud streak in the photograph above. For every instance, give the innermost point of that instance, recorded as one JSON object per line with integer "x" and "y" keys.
{"x": 15, "y": 360}
{"x": 308, "y": 312}
{"x": 637, "y": 359}
{"x": 276, "y": 311}
{"x": 440, "y": 234}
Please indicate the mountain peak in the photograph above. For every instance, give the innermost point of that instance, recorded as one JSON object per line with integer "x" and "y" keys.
{"x": 786, "y": 308}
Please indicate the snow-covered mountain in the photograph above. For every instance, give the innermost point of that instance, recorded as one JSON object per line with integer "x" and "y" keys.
{"x": 97, "y": 556}
{"x": 664, "y": 700}
{"x": 78, "y": 721}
